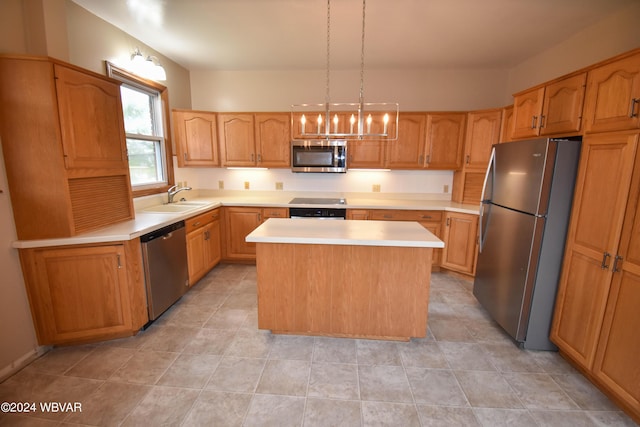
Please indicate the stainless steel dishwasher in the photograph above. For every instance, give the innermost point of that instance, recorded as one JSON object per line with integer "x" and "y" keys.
{"x": 166, "y": 274}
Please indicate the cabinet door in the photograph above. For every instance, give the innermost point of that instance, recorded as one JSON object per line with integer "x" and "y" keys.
{"x": 213, "y": 252}
{"x": 236, "y": 137}
{"x": 367, "y": 154}
{"x": 196, "y": 138}
{"x": 358, "y": 214}
{"x": 483, "y": 130}
{"x": 613, "y": 96}
{"x": 460, "y": 232}
{"x": 273, "y": 140}
{"x": 91, "y": 121}
{"x": 445, "y": 140}
{"x": 506, "y": 127}
{"x": 196, "y": 255}
{"x": 239, "y": 222}
{"x": 562, "y": 107}
{"x": 602, "y": 188}
{"x": 407, "y": 152}
{"x": 527, "y": 107}
{"x": 616, "y": 361}
{"x": 436, "y": 229}
{"x": 77, "y": 294}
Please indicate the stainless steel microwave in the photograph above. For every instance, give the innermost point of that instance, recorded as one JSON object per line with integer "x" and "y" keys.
{"x": 319, "y": 155}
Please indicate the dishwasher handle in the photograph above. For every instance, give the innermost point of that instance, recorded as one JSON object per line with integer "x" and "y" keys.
{"x": 164, "y": 232}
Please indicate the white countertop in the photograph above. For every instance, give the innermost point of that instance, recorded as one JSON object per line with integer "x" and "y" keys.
{"x": 146, "y": 222}
{"x": 334, "y": 232}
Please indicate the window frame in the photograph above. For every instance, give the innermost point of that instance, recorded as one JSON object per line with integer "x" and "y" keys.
{"x": 134, "y": 80}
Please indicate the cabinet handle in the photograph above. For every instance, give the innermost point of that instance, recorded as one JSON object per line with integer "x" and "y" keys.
{"x": 468, "y": 158}
{"x": 632, "y": 107}
{"x": 197, "y": 223}
{"x": 616, "y": 260}
{"x": 259, "y": 158}
{"x": 119, "y": 263}
{"x": 541, "y": 121}
{"x": 426, "y": 217}
{"x": 534, "y": 119}
{"x": 206, "y": 235}
{"x": 184, "y": 156}
{"x": 448, "y": 221}
{"x": 428, "y": 159}
{"x": 253, "y": 156}
{"x": 604, "y": 264}
{"x": 259, "y": 217}
{"x": 387, "y": 216}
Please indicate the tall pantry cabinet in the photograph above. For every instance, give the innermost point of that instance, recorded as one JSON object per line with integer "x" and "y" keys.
{"x": 596, "y": 323}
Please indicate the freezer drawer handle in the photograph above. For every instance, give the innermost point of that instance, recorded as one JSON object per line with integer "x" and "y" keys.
{"x": 604, "y": 264}
{"x": 616, "y": 260}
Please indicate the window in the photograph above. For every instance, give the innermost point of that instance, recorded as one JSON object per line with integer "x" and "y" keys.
{"x": 144, "y": 105}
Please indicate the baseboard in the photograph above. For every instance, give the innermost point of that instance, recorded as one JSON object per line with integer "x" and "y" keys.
{"x": 22, "y": 361}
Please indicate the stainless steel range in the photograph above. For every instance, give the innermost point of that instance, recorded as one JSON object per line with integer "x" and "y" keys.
{"x": 322, "y": 211}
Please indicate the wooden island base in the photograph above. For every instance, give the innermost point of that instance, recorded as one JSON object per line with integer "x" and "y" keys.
{"x": 375, "y": 292}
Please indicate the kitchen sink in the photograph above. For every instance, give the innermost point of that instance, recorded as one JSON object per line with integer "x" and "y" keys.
{"x": 175, "y": 207}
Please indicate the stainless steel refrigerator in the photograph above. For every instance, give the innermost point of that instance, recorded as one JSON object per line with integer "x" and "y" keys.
{"x": 525, "y": 209}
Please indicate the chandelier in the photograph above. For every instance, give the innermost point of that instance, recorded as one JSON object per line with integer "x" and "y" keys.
{"x": 350, "y": 120}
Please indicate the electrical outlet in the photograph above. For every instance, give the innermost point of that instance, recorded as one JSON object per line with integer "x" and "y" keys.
{"x": 246, "y": 185}
{"x": 221, "y": 185}
{"x": 375, "y": 188}
{"x": 279, "y": 185}
{"x": 446, "y": 188}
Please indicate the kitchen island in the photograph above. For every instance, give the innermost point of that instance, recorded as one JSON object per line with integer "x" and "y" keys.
{"x": 365, "y": 279}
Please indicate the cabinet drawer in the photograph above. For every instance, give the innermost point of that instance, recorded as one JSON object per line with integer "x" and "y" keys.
{"x": 404, "y": 215}
{"x": 275, "y": 213}
{"x": 202, "y": 219}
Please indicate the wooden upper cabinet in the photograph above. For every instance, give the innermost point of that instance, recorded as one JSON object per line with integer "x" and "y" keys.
{"x": 260, "y": 139}
{"x": 527, "y": 107}
{"x": 483, "y": 130}
{"x": 407, "y": 152}
{"x": 552, "y": 109}
{"x": 367, "y": 154}
{"x": 196, "y": 138}
{"x": 562, "y": 106}
{"x": 237, "y": 141}
{"x": 613, "y": 96}
{"x": 273, "y": 140}
{"x": 444, "y": 140}
{"x": 92, "y": 135}
{"x": 506, "y": 125}
{"x": 602, "y": 189}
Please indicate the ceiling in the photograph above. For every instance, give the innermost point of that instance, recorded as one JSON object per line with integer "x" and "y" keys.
{"x": 292, "y": 34}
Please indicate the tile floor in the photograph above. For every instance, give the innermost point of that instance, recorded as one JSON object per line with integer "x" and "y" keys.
{"x": 205, "y": 363}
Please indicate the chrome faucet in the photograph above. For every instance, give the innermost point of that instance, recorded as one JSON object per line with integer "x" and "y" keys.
{"x": 175, "y": 190}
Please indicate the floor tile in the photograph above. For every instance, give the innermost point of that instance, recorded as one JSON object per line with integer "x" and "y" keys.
{"x": 190, "y": 370}
{"x": 385, "y": 383}
{"x": 422, "y": 353}
{"x": 487, "y": 389}
{"x": 334, "y": 350}
{"x": 292, "y": 347}
{"x": 210, "y": 341}
{"x": 507, "y": 357}
{"x": 236, "y": 374}
{"x": 214, "y": 408}
{"x": 101, "y": 363}
{"x": 389, "y": 414}
{"x": 61, "y": 359}
{"x": 271, "y": 410}
{"x": 227, "y": 318}
{"x": 250, "y": 344}
{"x": 332, "y": 413}
{"x": 110, "y": 404}
{"x": 465, "y": 356}
{"x": 334, "y": 381}
{"x": 539, "y": 391}
{"x": 450, "y": 330}
{"x": 582, "y": 392}
{"x": 442, "y": 416}
{"x": 287, "y": 377}
{"x": 370, "y": 352}
{"x": 562, "y": 419}
{"x": 435, "y": 387}
{"x": 162, "y": 406}
{"x": 145, "y": 367}
{"x": 493, "y": 417}
{"x": 171, "y": 339}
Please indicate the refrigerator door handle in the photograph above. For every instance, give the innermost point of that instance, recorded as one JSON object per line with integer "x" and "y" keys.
{"x": 483, "y": 201}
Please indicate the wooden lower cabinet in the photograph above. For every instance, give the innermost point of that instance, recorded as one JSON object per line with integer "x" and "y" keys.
{"x": 431, "y": 220}
{"x": 596, "y": 323}
{"x": 240, "y": 221}
{"x": 460, "y": 241}
{"x": 203, "y": 244}
{"x": 85, "y": 293}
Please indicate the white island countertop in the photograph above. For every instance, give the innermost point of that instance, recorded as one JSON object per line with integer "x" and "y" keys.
{"x": 353, "y": 232}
